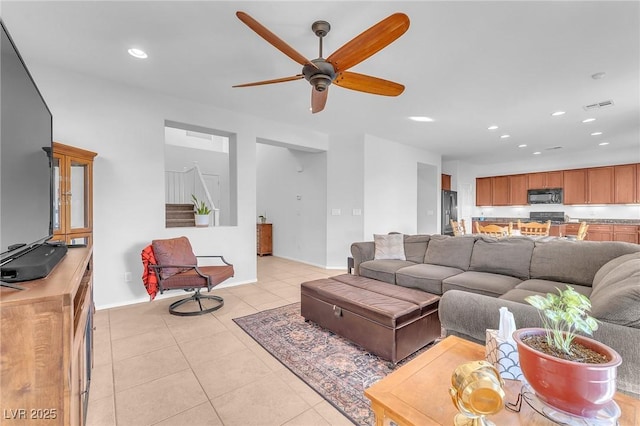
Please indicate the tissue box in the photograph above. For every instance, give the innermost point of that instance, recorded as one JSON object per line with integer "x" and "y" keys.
{"x": 503, "y": 355}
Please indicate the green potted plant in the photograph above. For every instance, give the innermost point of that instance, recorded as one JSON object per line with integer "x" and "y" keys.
{"x": 568, "y": 371}
{"x": 201, "y": 211}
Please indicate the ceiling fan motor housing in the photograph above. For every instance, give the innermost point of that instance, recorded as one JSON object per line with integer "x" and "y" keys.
{"x": 321, "y": 77}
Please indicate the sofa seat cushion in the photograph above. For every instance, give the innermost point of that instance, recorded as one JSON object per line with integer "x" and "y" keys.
{"x": 545, "y": 286}
{"x": 425, "y": 277}
{"x": 506, "y": 256}
{"x": 616, "y": 298}
{"x": 383, "y": 270}
{"x": 610, "y": 266}
{"x": 575, "y": 262}
{"x": 454, "y": 252}
{"x": 426, "y": 301}
{"x": 480, "y": 282}
{"x": 519, "y": 294}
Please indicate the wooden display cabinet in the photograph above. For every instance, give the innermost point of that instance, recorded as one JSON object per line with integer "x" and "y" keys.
{"x": 73, "y": 194}
{"x": 264, "y": 239}
{"x": 627, "y": 184}
{"x": 47, "y": 345}
{"x": 543, "y": 180}
{"x": 518, "y": 190}
{"x": 626, "y": 233}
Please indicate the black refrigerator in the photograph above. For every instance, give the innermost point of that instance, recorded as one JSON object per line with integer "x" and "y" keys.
{"x": 449, "y": 211}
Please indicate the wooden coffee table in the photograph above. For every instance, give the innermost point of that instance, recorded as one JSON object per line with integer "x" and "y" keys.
{"x": 418, "y": 392}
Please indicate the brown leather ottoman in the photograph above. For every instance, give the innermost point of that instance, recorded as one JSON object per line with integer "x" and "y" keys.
{"x": 388, "y": 320}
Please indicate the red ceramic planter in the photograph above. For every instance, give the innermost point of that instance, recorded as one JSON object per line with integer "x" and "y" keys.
{"x": 577, "y": 388}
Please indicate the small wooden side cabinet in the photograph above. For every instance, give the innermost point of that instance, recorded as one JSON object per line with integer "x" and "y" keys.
{"x": 73, "y": 191}
{"x": 264, "y": 239}
{"x": 47, "y": 345}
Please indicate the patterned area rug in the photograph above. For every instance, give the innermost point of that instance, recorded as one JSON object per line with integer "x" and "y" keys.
{"x": 334, "y": 367}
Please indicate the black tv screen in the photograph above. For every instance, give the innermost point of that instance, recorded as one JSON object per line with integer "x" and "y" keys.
{"x": 25, "y": 171}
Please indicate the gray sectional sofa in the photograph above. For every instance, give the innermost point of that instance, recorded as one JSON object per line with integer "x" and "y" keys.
{"x": 476, "y": 275}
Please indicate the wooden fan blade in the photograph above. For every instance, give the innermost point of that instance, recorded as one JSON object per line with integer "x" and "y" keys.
{"x": 273, "y": 39}
{"x": 369, "y": 42}
{"x": 368, "y": 84}
{"x": 318, "y": 99}
{"x": 276, "y": 80}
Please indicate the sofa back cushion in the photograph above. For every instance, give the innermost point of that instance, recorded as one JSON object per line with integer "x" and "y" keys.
{"x": 506, "y": 256}
{"x": 616, "y": 297}
{"x": 415, "y": 246}
{"x": 575, "y": 262}
{"x": 454, "y": 252}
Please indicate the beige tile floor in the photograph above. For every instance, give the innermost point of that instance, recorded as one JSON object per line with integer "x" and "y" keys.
{"x": 153, "y": 368}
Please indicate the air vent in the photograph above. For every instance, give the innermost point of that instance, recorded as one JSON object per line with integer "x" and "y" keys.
{"x": 553, "y": 148}
{"x": 598, "y": 105}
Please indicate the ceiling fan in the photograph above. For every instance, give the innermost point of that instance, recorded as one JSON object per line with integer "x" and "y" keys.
{"x": 321, "y": 72}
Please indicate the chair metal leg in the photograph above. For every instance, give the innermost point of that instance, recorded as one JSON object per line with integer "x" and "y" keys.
{"x": 196, "y": 297}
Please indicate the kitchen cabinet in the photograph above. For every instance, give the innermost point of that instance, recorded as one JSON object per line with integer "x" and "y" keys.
{"x": 518, "y": 190}
{"x": 600, "y": 187}
{"x": 589, "y": 186}
{"x": 73, "y": 194}
{"x": 500, "y": 191}
{"x": 545, "y": 180}
{"x": 599, "y": 232}
{"x": 264, "y": 239}
{"x": 627, "y": 184}
{"x": 483, "y": 192}
{"x": 575, "y": 186}
{"x": 627, "y": 233}
{"x": 446, "y": 182}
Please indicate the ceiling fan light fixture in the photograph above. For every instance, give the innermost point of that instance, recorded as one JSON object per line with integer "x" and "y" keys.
{"x": 320, "y": 82}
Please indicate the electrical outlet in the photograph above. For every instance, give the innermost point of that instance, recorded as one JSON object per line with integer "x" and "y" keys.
{"x": 127, "y": 276}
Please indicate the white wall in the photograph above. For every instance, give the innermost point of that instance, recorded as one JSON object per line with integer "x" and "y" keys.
{"x": 345, "y": 193}
{"x": 391, "y": 187}
{"x": 125, "y": 126}
{"x": 291, "y": 193}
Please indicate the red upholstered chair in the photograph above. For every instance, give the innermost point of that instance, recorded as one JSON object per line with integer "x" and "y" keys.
{"x": 177, "y": 268}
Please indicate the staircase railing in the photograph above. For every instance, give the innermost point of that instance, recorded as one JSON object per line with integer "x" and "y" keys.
{"x": 181, "y": 185}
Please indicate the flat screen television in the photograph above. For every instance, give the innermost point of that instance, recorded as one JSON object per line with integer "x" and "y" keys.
{"x": 26, "y": 175}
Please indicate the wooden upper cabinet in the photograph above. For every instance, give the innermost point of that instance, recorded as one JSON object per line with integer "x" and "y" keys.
{"x": 500, "y": 191}
{"x": 483, "y": 192}
{"x": 518, "y": 190}
{"x": 545, "y": 180}
{"x": 600, "y": 188}
{"x": 627, "y": 184}
{"x": 575, "y": 186}
{"x": 446, "y": 182}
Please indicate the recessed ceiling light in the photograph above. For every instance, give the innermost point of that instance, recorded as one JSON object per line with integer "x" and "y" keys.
{"x": 537, "y": 153}
{"x": 421, "y": 119}
{"x": 557, "y": 113}
{"x": 603, "y": 143}
{"x": 596, "y": 133}
{"x": 598, "y": 75}
{"x": 588, "y": 120}
{"x": 492, "y": 128}
{"x": 522, "y": 145}
{"x": 137, "y": 53}
{"x": 505, "y": 136}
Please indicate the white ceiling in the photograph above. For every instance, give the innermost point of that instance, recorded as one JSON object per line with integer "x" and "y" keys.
{"x": 467, "y": 65}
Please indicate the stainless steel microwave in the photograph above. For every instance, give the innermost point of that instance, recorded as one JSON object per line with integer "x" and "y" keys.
{"x": 545, "y": 196}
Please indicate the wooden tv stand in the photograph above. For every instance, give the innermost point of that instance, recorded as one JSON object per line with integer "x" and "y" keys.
{"x": 46, "y": 345}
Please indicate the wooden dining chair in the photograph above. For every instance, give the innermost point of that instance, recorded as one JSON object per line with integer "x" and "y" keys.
{"x": 493, "y": 230}
{"x": 534, "y": 228}
{"x": 582, "y": 231}
{"x": 459, "y": 228}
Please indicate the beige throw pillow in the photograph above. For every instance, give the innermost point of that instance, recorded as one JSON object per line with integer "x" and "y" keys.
{"x": 389, "y": 247}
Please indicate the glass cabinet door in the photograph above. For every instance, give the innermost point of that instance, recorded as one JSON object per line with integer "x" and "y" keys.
{"x": 72, "y": 200}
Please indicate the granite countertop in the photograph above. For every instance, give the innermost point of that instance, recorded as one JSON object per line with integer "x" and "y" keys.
{"x": 574, "y": 220}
